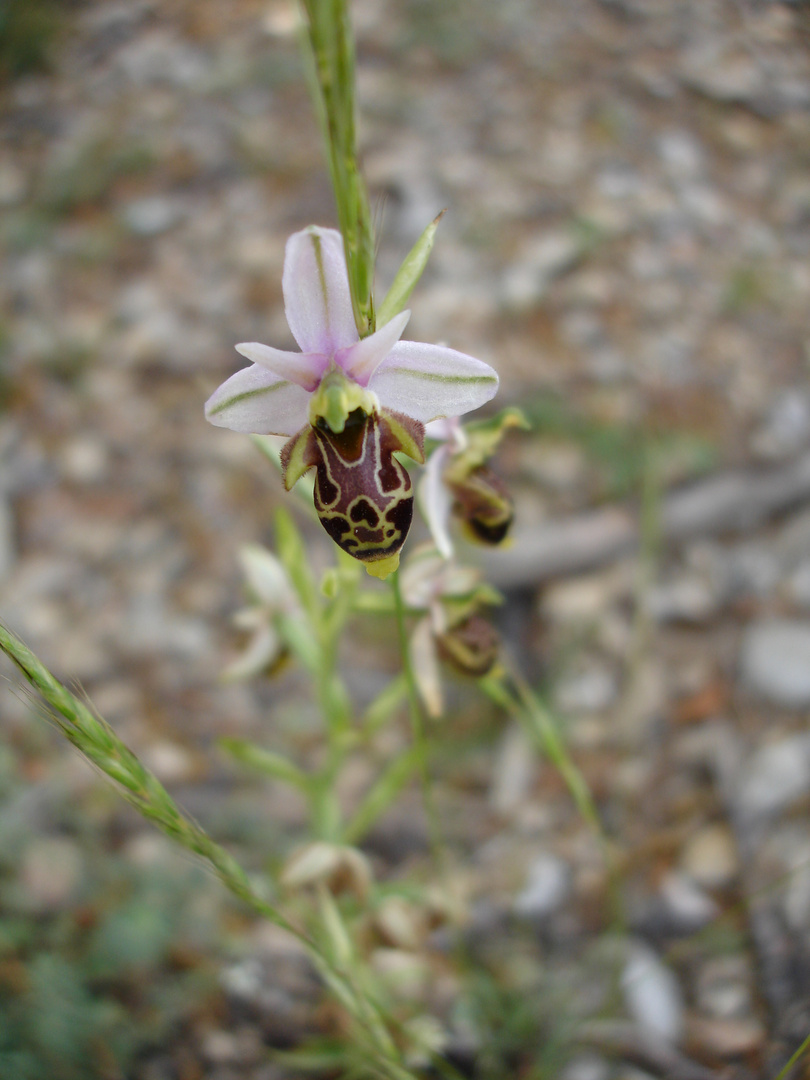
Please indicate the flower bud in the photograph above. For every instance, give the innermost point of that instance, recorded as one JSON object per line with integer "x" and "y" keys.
{"x": 471, "y": 647}
{"x": 400, "y": 924}
{"x": 482, "y": 501}
{"x": 340, "y": 869}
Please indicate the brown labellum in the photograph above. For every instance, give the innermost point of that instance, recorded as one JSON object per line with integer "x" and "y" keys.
{"x": 483, "y": 502}
{"x": 471, "y": 647}
{"x": 363, "y": 495}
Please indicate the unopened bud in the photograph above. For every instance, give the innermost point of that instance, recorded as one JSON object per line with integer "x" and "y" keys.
{"x": 340, "y": 869}
{"x": 471, "y": 647}
{"x": 483, "y": 503}
{"x": 400, "y": 923}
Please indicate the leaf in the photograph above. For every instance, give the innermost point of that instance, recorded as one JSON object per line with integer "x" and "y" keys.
{"x": 293, "y": 553}
{"x": 408, "y": 274}
{"x": 383, "y": 707}
{"x": 382, "y": 794}
{"x": 265, "y": 761}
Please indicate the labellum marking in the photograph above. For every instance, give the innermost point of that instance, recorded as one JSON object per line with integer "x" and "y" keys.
{"x": 363, "y": 495}
{"x": 482, "y": 501}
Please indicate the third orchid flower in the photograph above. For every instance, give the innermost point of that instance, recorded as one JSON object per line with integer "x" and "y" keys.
{"x": 450, "y": 600}
{"x": 458, "y": 481}
{"x": 347, "y": 403}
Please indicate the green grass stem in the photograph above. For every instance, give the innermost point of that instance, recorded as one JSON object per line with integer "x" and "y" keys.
{"x": 96, "y": 740}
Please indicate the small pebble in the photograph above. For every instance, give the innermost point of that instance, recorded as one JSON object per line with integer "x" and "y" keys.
{"x": 723, "y": 988}
{"x": 152, "y": 216}
{"x": 709, "y": 857}
{"x": 548, "y": 886}
{"x": 775, "y": 661}
{"x": 514, "y": 770}
{"x": 51, "y": 874}
{"x": 591, "y": 689}
{"x": 727, "y": 1038}
{"x": 687, "y": 904}
{"x": 774, "y": 777}
{"x": 652, "y": 994}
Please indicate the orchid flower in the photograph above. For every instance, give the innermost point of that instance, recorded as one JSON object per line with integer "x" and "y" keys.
{"x": 458, "y": 482}
{"x": 450, "y": 598}
{"x": 348, "y": 404}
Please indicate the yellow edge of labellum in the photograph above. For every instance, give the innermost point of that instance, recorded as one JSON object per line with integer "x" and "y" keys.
{"x": 294, "y": 461}
{"x": 381, "y": 568}
{"x": 407, "y": 443}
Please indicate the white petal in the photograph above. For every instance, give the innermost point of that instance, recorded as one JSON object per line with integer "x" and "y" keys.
{"x": 255, "y": 400}
{"x": 435, "y": 502}
{"x": 305, "y": 369}
{"x": 316, "y": 291}
{"x": 426, "y": 669}
{"x": 362, "y": 359}
{"x": 429, "y": 381}
{"x": 265, "y": 575}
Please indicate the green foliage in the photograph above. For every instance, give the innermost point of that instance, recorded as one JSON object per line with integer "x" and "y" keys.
{"x": 408, "y": 274}
{"x": 458, "y": 32}
{"x": 89, "y": 173}
{"x": 622, "y": 452}
{"x": 748, "y": 286}
{"x": 28, "y": 29}
{"x": 520, "y": 1028}
{"x": 65, "y": 970}
{"x": 329, "y": 55}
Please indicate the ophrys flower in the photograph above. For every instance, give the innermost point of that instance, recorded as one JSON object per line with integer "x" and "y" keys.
{"x": 348, "y": 403}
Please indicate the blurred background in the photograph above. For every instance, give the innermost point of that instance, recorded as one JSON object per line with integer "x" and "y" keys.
{"x": 627, "y": 242}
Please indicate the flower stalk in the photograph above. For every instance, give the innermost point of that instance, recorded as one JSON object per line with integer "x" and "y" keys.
{"x": 328, "y": 48}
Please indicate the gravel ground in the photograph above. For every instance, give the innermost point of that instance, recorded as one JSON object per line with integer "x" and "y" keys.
{"x": 627, "y": 241}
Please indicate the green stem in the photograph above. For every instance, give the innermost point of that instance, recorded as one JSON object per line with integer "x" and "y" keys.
{"x": 528, "y": 709}
{"x": 329, "y": 56}
{"x": 335, "y": 705}
{"x": 803, "y": 1049}
{"x": 141, "y": 789}
{"x": 96, "y": 740}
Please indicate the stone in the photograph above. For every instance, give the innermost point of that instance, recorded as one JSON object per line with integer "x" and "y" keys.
{"x": 586, "y": 1067}
{"x": 722, "y": 74}
{"x": 774, "y": 777}
{"x": 543, "y": 259}
{"x": 688, "y": 598}
{"x": 8, "y": 547}
{"x": 170, "y": 762}
{"x": 593, "y": 688}
{"x": 687, "y": 905}
{"x": 681, "y": 154}
{"x": 723, "y": 988}
{"x": 796, "y": 899}
{"x": 786, "y": 427}
{"x": 709, "y": 857}
{"x": 152, "y": 215}
{"x": 753, "y": 569}
{"x": 13, "y": 184}
{"x": 727, "y": 1038}
{"x": 51, "y": 874}
{"x": 798, "y": 585}
{"x": 84, "y": 459}
{"x": 514, "y": 770}
{"x": 584, "y": 599}
{"x": 775, "y": 661}
{"x": 652, "y": 994}
{"x": 547, "y": 887}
